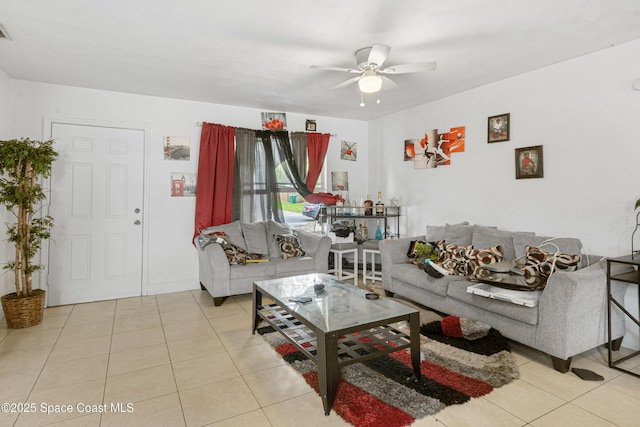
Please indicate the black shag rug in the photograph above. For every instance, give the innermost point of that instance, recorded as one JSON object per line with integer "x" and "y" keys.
{"x": 376, "y": 392}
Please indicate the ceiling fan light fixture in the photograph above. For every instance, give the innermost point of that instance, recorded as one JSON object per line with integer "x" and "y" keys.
{"x": 370, "y": 83}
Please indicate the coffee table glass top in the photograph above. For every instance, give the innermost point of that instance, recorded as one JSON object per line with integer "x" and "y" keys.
{"x": 339, "y": 306}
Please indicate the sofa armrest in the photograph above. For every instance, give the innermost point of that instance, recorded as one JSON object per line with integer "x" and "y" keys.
{"x": 214, "y": 270}
{"x": 573, "y": 311}
{"x": 394, "y": 251}
{"x": 316, "y": 246}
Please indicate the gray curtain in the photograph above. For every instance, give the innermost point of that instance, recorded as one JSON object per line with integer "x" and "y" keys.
{"x": 284, "y": 156}
{"x": 299, "y": 146}
{"x": 255, "y": 193}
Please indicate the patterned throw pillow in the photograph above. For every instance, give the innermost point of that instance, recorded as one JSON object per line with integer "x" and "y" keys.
{"x": 454, "y": 258}
{"x": 289, "y": 245}
{"x": 235, "y": 254}
{"x": 466, "y": 261}
{"x": 483, "y": 257}
{"x": 540, "y": 263}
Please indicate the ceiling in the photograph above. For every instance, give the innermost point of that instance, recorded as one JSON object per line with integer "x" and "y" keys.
{"x": 255, "y": 53}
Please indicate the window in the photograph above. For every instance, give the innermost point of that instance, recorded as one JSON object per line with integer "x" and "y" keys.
{"x": 297, "y": 212}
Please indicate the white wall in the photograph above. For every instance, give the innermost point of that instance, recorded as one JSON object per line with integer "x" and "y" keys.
{"x": 171, "y": 259}
{"x": 6, "y": 281}
{"x": 585, "y": 114}
{"x": 5, "y": 115}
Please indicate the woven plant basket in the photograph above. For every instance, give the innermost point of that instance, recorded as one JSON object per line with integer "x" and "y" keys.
{"x": 23, "y": 312}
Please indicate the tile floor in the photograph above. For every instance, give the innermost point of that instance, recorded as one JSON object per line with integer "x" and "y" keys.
{"x": 176, "y": 360}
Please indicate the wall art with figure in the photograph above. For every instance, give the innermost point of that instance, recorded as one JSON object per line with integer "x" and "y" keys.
{"x": 529, "y": 162}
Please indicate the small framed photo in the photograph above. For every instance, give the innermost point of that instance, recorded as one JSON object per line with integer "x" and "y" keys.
{"x": 499, "y": 128}
{"x": 310, "y": 125}
{"x": 529, "y": 162}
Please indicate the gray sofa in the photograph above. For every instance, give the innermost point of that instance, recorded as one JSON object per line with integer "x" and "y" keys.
{"x": 222, "y": 279}
{"x": 569, "y": 318}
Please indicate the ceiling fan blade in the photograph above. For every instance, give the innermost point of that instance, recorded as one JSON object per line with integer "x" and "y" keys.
{"x": 409, "y": 68}
{"x": 388, "y": 84}
{"x": 348, "y": 70}
{"x": 378, "y": 54}
{"x": 347, "y": 82}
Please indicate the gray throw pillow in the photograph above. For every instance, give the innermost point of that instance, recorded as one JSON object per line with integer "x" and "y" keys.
{"x": 485, "y": 237}
{"x": 458, "y": 234}
{"x": 255, "y": 237}
{"x": 436, "y": 232}
{"x": 233, "y": 231}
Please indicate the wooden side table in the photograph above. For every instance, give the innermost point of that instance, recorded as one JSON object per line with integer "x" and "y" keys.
{"x": 632, "y": 277}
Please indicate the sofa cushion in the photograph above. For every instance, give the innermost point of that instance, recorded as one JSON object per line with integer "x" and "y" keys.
{"x": 458, "y": 234}
{"x": 414, "y": 276}
{"x": 233, "y": 231}
{"x": 458, "y": 291}
{"x": 252, "y": 272}
{"x": 287, "y": 267}
{"x": 255, "y": 236}
{"x": 436, "y": 232}
{"x": 289, "y": 245}
{"x": 484, "y": 237}
{"x": 274, "y": 228}
{"x": 567, "y": 245}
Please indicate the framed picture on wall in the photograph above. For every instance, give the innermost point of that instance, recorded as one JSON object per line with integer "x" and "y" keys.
{"x": 499, "y": 128}
{"x": 349, "y": 151}
{"x": 183, "y": 184}
{"x": 529, "y": 162}
{"x": 310, "y": 125}
{"x": 274, "y": 121}
{"x": 176, "y": 148}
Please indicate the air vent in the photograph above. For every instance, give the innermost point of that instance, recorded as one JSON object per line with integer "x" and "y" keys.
{"x": 3, "y": 33}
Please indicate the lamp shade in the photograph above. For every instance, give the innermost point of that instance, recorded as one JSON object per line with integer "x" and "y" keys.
{"x": 370, "y": 83}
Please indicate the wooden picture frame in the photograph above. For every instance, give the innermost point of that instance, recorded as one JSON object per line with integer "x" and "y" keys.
{"x": 529, "y": 162}
{"x": 310, "y": 125}
{"x": 499, "y": 128}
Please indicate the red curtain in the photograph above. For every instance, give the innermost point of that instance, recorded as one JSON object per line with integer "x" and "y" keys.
{"x": 214, "y": 193}
{"x": 317, "y": 145}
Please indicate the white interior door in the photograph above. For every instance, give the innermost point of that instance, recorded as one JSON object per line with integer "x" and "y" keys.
{"x": 95, "y": 252}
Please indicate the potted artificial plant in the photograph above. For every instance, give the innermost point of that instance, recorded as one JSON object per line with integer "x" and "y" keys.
{"x": 23, "y": 164}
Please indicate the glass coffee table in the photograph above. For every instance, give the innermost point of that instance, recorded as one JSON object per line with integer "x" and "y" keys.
{"x": 340, "y": 324}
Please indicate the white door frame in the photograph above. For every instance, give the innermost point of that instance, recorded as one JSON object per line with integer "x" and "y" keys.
{"x": 47, "y": 127}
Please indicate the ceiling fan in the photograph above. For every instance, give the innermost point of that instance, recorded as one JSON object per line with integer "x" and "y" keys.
{"x": 372, "y": 76}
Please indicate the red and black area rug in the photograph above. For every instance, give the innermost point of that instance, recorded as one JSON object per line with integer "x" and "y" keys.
{"x": 376, "y": 392}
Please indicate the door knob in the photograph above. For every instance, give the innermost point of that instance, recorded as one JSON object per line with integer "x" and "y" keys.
{"x": 136, "y": 222}
{"x": 137, "y": 210}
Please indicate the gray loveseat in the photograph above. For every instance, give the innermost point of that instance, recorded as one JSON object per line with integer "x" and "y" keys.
{"x": 571, "y": 313}
{"x": 223, "y": 279}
